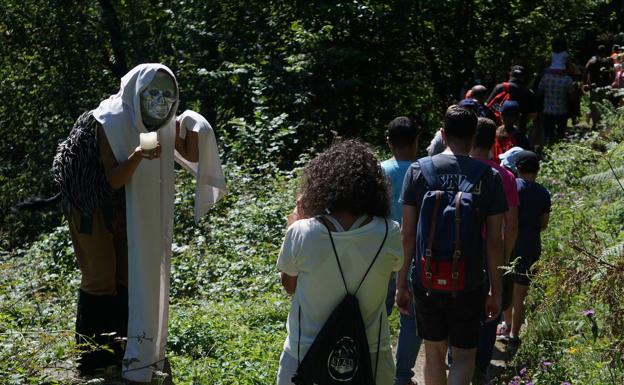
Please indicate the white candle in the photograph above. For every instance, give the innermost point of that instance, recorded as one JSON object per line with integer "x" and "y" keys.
{"x": 148, "y": 141}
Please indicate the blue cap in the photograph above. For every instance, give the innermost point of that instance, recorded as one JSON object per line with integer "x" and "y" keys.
{"x": 510, "y": 107}
{"x": 471, "y": 104}
{"x": 508, "y": 158}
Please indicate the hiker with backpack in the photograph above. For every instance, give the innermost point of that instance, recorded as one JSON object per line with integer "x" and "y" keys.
{"x": 508, "y": 135}
{"x": 514, "y": 89}
{"x": 336, "y": 260}
{"x": 447, "y": 200}
{"x": 599, "y": 69}
{"x": 486, "y": 131}
{"x": 403, "y": 142}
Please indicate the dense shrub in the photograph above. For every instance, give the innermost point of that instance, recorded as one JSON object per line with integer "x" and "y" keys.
{"x": 275, "y": 79}
{"x": 576, "y": 304}
{"x": 279, "y": 80}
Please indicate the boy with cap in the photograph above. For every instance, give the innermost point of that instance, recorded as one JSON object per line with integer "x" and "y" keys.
{"x": 534, "y": 212}
{"x": 508, "y": 135}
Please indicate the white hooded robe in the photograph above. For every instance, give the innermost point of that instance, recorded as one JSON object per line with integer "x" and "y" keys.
{"x": 149, "y": 213}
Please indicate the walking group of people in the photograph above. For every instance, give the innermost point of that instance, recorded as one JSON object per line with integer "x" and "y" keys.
{"x": 551, "y": 98}
{"x": 428, "y": 236}
{"x": 433, "y": 245}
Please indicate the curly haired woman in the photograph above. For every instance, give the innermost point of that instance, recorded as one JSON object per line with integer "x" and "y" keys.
{"x": 343, "y": 191}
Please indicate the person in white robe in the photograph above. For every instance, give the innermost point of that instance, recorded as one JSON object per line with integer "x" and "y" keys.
{"x": 146, "y": 103}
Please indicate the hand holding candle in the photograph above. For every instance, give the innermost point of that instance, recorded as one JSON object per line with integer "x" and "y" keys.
{"x": 148, "y": 140}
{"x": 149, "y": 146}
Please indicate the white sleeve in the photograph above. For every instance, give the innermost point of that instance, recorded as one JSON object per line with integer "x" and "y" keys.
{"x": 287, "y": 260}
{"x": 210, "y": 186}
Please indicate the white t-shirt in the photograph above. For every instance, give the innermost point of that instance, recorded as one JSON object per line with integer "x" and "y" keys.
{"x": 307, "y": 254}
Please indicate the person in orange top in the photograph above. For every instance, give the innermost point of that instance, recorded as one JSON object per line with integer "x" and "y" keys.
{"x": 508, "y": 135}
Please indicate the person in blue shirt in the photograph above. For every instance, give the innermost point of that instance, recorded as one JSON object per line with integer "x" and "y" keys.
{"x": 534, "y": 213}
{"x": 403, "y": 141}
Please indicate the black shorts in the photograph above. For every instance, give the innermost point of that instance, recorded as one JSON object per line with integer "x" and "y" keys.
{"x": 506, "y": 297}
{"x": 441, "y": 316}
{"x": 522, "y": 270}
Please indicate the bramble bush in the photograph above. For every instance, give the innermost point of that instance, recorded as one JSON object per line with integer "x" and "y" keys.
{"x": 575, "y": 307}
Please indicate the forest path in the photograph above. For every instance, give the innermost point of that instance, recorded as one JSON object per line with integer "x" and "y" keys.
{"x": 497, "y": 365}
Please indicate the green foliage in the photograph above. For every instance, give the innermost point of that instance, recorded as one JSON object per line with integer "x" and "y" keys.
{"x": 278, "y": 81}
{"x": 228, "y": 342}
{"x": 275, "y": 79}
{"x": 576, "y": 304}
{"x": 227, "y": 308}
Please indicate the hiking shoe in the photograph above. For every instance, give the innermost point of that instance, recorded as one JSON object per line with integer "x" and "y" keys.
{"x": 478, "y": 377}
{"x": 513, "y": 342}
{"x": 502, "y": 332}
{"x": 410, "y": 382}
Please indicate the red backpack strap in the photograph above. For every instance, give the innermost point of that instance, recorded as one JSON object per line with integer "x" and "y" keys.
{"x": 499, "y": 98}
{"x": 429, "y": 249}
{"x": 456, "y": 243}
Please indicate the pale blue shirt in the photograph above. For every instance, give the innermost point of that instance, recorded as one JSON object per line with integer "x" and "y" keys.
{"x": 395, "y": 172}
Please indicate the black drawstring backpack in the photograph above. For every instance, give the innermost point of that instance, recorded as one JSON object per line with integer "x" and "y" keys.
{"x": 339, "y": 353}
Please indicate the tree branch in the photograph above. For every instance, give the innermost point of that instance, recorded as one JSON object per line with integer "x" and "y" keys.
{"x": 111, "y": 22}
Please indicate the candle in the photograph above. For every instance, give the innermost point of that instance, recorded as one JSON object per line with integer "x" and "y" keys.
{"x": 148, "y": 141}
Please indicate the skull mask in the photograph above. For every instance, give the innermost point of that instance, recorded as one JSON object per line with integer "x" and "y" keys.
{"x": 157, "y": 100}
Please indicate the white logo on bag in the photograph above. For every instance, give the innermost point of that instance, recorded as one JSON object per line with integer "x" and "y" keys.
{"x": 342, "y": 363}
{"x": 451, "y": 182}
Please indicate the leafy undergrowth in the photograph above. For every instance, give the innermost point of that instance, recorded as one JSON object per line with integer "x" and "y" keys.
{"x": 227, "y": 309}
{"x": 575, "y": 307}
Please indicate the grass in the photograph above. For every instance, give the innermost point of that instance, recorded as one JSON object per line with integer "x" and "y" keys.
{"x": 228, "y": 312}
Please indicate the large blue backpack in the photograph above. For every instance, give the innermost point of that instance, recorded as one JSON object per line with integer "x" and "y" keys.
{"x": 449, "y": 245}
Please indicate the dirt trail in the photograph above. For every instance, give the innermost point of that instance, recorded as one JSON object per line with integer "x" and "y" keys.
{"x": 497, "y": 365}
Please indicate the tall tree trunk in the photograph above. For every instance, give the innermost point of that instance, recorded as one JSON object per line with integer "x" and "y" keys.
{"x": 111, "y": 22}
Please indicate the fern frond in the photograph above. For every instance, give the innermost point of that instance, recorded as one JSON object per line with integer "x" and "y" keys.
{"x": 611, "y": 193}
{"x": 613, "y": 251}
{"x": 604, "y": 176}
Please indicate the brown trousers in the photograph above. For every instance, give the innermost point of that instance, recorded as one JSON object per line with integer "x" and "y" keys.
{"x": 102, "y": 252}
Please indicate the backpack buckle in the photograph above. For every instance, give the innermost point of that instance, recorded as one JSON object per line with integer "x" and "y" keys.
{"x": 456, "y": 254}
{"x": 428, "y": 253}
{"x": 428, "y": 274}
{"x": 455, "y": 275}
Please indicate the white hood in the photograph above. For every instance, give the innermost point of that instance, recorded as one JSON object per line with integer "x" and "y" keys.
{"x": 125, "y": 106}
